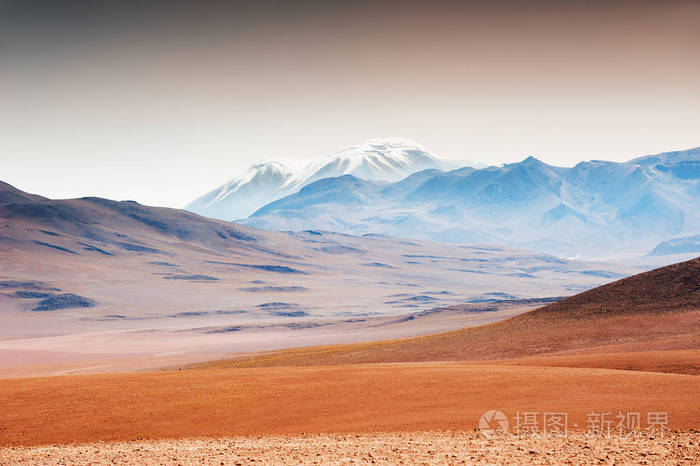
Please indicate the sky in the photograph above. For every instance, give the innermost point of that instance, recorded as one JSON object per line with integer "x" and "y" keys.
{"x": 162, "y": 101}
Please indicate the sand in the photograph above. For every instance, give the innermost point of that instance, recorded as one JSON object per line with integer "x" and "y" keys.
{"x": 357, "y": 398}
{"x": 381, "y": 448}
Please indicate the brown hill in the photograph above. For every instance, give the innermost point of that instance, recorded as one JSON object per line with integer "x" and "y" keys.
{"x": 109, "y": 222}
{"x": 656, "y": 310}
{"x": 10, "y": 194}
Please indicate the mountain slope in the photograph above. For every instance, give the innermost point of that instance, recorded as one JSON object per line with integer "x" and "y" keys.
{"x": 240, "y": 196}
{"x": 593, "y": 209}
{"x": 376, "y": 159}
{"x": 10, "y": 194}
{"x": 93, "y": 278}
{"x": 687, "y": 244}
{"x": 659, "y": 309}
{"x": 344, "y": 190}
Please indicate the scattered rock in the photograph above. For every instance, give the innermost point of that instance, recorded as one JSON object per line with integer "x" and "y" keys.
{"x": 64, "y": 301}
{"x": 194, "y": 278}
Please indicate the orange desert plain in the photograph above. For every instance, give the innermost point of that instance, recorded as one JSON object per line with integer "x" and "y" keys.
{"x": 610, "y": 350}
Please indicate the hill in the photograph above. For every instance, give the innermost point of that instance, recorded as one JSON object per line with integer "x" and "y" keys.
{"x": 10, "y": 194}
{"x": 656, "y": 310}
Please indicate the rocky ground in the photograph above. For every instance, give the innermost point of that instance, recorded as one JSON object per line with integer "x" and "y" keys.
{"x": 383, "y": 448}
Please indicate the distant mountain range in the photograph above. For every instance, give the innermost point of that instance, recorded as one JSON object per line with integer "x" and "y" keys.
{"x": 687, "y": 244}
{"x": 376, "y": 160}
{"x": 593, "y": 210}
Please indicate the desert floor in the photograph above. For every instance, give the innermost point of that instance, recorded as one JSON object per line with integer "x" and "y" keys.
{"x": 143, "y": 349}
{"x": 445, "y": 447}
{"x": 632, "y": 372}
{"x": 358, "y": 398}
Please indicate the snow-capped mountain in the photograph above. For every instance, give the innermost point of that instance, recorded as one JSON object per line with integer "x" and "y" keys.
{"x": 240, "y": 196}
{"x": 592, "y": 210}
{"x": 375, "y": 160}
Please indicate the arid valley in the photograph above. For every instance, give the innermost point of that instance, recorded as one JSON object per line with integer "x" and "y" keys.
{"x": 135, "y": 359}
{"x": 349, "y": 232}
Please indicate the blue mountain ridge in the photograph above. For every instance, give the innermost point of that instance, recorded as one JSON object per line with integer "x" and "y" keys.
{"x": 594, "y": 209}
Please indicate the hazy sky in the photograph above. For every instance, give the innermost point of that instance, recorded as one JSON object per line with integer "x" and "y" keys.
{"x": 162, "y": 101}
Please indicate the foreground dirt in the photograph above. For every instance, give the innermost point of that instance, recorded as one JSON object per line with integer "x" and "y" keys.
{"x": 291, "y": 400}
{"x": 380, "y": 448}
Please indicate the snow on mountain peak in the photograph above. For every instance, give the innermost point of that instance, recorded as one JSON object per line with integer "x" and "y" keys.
{"x": 379, "y": 159}
{"x": 259, "y": 173}
{"x": 268, "y": 165}
{"x": 389, "y": 159}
